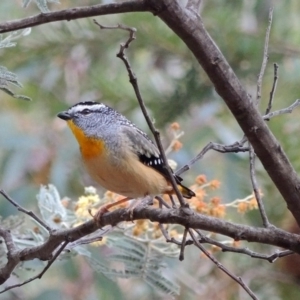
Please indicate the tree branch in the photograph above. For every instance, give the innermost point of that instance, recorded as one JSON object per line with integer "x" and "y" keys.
{"x": 239, "y": 280}
{"x": 39, "y": 275}
{"x": 183, "y": 216}
{"x": 12, "y": 256}
{"x": 269, "y": 107}
{"x": 191, "y": 30}
{"x": 260, "y": 203}
{"x": 225, "y": 248}
{"x": 282, "y": 111}
{"x": 75, "y": 13}
{"x": 265, "y": 58}
{"x": 25, "y": 211}
{"x": 233, "y": 148}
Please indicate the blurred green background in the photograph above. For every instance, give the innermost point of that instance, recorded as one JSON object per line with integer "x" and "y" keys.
{"x": 63, "y": 63}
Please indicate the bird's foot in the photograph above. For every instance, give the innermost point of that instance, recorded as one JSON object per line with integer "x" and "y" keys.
{"x": 104, "y": 209}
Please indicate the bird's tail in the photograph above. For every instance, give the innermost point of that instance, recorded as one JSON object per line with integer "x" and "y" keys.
{"x": 186, "y": 192}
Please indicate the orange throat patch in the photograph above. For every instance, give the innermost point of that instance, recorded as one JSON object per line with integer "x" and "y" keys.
{"x": 89, "y": 147}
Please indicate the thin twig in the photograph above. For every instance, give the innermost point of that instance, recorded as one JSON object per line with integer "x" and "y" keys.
{"x": 272, "y": 93}
{"x": 239, "y": 280}
{"x": 183, "y": 244}
{"x": 94, "y": 237}
{"x": 25, "y": 211}
{"x": 9, "y": 242}
{"x": 76, "y": 13}
{"x": 286, "y": 110}
{"x": 260, "y": 203}
{"x": 235, "y": 148}
{"x": 265, "y": 58}
{"x": 173, "y": 202}
{"x": 164, "y": 231}
{"x": 134, "y": 83}
{"x": 39, "y": 275}
{"x": 162, "y": 202}
{"x": 225, "y": 248}
{"x": 125, "y": 45}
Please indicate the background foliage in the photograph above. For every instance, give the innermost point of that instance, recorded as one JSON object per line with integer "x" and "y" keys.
{"x": 62, "y": 63}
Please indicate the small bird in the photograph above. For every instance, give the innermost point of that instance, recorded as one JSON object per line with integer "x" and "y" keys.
{"x": 117, "y": 154}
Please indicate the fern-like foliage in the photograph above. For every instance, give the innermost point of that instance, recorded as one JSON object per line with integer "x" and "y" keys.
{"x": 7, "y": 77}
{"x": 137, "y": 259}
{"x": 41, "y": 4}
{"x": 130, "y": 257}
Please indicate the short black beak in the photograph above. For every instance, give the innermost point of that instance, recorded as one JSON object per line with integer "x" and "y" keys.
{"x": 64, "y": 115}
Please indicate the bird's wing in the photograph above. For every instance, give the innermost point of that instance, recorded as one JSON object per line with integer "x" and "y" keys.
{"x": 145, "y": 149}
{"x": 149, "y": 155}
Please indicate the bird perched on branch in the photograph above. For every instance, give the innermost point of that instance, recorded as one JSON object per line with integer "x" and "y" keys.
{"x": 117, "y": 154}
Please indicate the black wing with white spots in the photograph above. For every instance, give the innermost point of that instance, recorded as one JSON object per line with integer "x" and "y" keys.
{"x": 149, "y": 155}
{"x": 145, "y": 149}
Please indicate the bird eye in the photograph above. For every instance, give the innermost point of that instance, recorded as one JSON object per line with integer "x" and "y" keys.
{"x": 85, "y": 111}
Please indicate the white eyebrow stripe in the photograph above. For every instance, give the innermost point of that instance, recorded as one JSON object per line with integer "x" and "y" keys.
{"x": 78, "y": 108}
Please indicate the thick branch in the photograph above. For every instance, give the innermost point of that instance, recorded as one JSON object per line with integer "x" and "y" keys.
{"x": 190, "y": 29}
{"x": 74, "y": 13}
{"x": 12, "y": 257}
{"x": 184, "y": 217}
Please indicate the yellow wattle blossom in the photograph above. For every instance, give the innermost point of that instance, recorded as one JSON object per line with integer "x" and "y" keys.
{"x": 176, "y": 145}
{"x": 242, "y": 207}
{"x": 174, "y": 234}
{"x": 201, "y": 179}
{"x": 137, "y": 231}
{"x": 253, "y": 204}
{"x": 218, "y": 211}
{"x": 214, "y": 184}
{"x": 175, "y": 126}
{"x": 85, "y": 203}
{"x": 201, "y": 207}
{"x": 156, "y": 234}
{"x": 200, "y": 194}
{"x": 215, "y": 201}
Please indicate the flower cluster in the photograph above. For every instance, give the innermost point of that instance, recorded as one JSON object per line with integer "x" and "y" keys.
{"x": 213, "y": 206}
{"x": 246, "y": 204}
{"x": 204, "y": 204}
